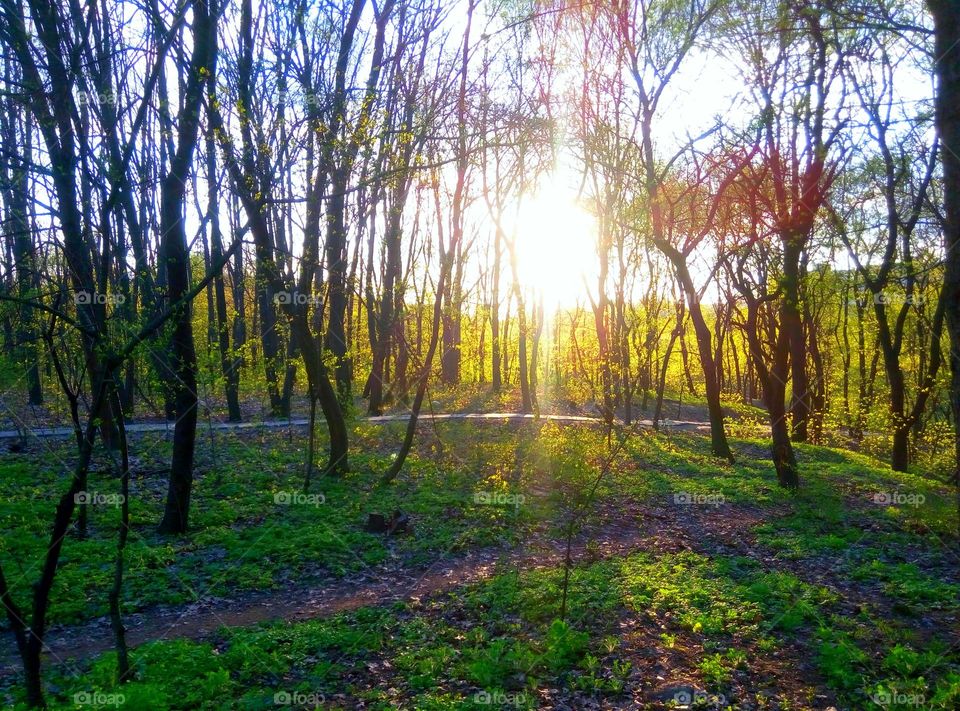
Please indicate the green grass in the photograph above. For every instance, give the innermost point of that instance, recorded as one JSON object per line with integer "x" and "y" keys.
{"x": 240, "y": 538}
{"x": 501, "y": 637}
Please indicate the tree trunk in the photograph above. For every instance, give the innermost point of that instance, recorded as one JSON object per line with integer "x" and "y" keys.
{"x": 662, "y": 381}
{"x": 336, "y": 262}
{"x": 16, "y": 200}
{"x": 228, "y": 369}
{"x": 317, "y": 374}
{"x": 791, "y": 321}
{"x": 773, "y": 381}
{"x": 496, "y": 381}
{"x": 391, "y": 296}
{"x": 267, "y": 301}
{"x": 526, "y": 403}
{"x": 718, "y": 436}
{"x": 176, "y": 253}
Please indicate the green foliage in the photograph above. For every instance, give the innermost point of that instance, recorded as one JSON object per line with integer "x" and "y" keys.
{"x": 839, "y": 658}
{"x": 563, "y": 646}
{"x": 503, "y": 635}
{"x": 718, "y": 668}
{"x": 687, "y": 588}
{"x": 788, "y": 602}
{"x": 905, "y": 583}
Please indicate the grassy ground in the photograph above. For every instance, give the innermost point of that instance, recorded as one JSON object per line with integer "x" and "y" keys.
{"x": 724, "y": 590}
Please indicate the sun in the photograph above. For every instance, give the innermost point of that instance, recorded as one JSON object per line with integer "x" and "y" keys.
{"x": 556, "y": 245}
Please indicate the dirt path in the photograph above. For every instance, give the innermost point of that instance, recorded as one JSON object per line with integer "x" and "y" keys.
{"x": 380, "y": 585}
{"x": 658, "y": 671}
{"x": 382, "y": 419}
{"x": 636, "y": 527}
{"x": 655, "y": 527}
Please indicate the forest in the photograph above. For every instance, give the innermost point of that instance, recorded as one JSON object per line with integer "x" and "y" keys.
{"x": 471, "y": 354}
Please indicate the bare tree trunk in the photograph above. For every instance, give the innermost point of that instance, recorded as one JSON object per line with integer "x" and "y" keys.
{"x": 791, "y": 321}
{"x": 451, "y": 356}
{"x": 718, "y": 436}
{"x": 774, "y": 391}
{"x": 16, "y": 199}
{"x": 662, "y": 382}
{"x": 54, "y": 109}
{"x": 447, "y": 257}
{"x": 424, "y": 376}
{"x": 526, "y": 403}
{"x": 390, "y": 302}
{"x": 177, "y": 256}
{"x": 228, "y": 366}
{"x": 947, "y": 32}
{"x": 317, "y": 374}
{"x": 535, "y": 355}
{"x": 335, "y": 247}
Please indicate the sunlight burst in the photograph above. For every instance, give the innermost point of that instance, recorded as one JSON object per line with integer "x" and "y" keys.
{"x": 556, "y": 245}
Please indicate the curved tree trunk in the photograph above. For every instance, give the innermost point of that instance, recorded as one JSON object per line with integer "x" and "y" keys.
{"x": 176, "y": 253}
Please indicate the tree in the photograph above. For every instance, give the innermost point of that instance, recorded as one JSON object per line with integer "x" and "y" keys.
{"x": 903, "y": 170}
{"x": 410, "y": 107}
{"x": 655, "y": 49}
{"x": 947, "y": 68}
{"x": 176, "y": 253}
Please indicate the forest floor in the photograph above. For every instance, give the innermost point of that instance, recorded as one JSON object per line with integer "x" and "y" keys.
{"x": 693, "y": 583}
